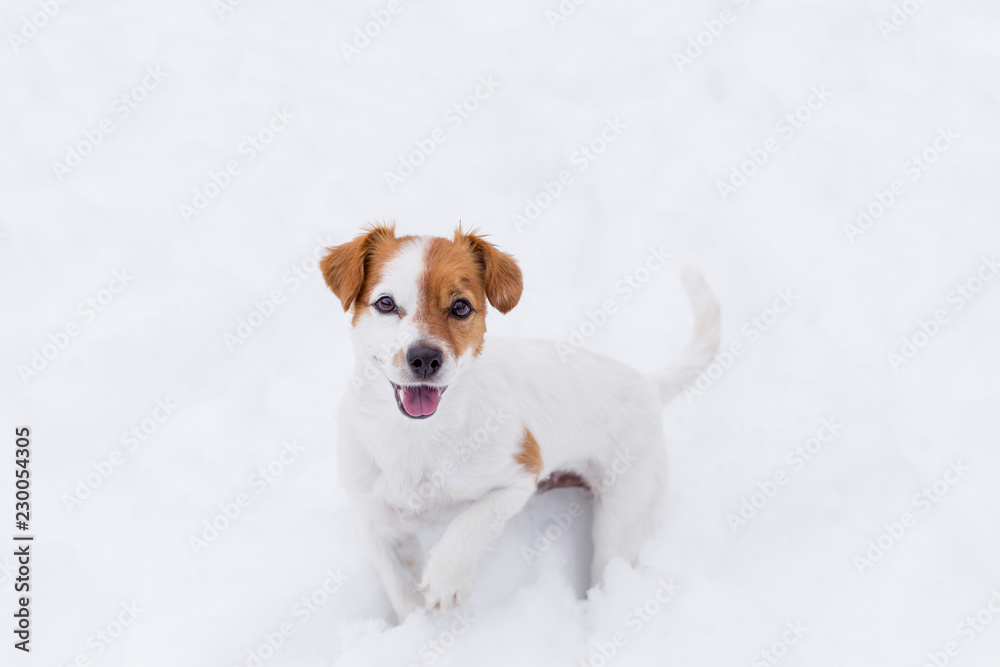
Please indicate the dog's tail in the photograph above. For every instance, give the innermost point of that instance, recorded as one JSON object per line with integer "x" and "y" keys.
{"x": 704, "y": 343}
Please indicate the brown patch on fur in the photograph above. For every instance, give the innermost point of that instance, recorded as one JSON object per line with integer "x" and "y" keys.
{"x": 451, "y": 273}
{"x": 399, "y": 358}
{"x": 501, "y": 275}
{"x": 352, "y": 268}
{"x": 530, "y": 456}
{"x": 464, "y": 268}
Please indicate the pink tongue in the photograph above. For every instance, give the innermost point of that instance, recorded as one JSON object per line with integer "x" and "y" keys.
{"x": 420, "y": 400}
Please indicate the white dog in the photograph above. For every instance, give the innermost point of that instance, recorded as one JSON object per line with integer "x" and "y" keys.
{"x": 444, "y": 427}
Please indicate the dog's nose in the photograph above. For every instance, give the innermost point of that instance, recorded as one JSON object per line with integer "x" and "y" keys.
{"x": 424, "y": 361}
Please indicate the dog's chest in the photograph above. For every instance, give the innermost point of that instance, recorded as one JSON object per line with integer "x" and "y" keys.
{"x": 431, "y": 487}
{"x": 412, "y": 471}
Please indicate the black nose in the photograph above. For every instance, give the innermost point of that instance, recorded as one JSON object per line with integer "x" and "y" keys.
{"x": 424, "y": 361}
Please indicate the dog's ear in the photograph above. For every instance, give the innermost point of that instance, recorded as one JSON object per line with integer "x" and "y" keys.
{"x": 344, "y": 265}
{"x": 501, "y": 273}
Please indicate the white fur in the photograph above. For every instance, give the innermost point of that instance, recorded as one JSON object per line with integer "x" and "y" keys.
{"x": 589, "y": 414}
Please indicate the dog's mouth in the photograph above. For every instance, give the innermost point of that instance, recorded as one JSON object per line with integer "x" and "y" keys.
{"x": 418, "y": 401}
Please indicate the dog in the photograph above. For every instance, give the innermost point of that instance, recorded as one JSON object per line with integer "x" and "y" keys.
{"x": 442, "y": 427}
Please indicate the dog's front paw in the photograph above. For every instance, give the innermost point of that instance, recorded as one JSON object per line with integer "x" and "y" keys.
{"x": 446, "y": 583}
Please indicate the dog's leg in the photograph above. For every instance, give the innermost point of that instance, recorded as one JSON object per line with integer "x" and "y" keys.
{"x": 451, "y": 563}
{"x": 397, "y": 558}
{"x": 628, "y": 509}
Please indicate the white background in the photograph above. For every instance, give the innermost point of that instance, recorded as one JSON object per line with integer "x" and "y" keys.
{"x": 62, "y": 237}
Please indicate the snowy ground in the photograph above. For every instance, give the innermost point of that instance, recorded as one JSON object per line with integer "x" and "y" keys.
{"x": 171, "y": 168}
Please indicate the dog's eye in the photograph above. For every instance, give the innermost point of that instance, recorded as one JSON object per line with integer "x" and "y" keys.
{"x": 385, "y": 305}
{"x": 461, "y": 309}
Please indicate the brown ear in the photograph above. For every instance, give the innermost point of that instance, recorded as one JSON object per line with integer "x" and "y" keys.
{"x": 500, "y": 271}
{"x": 344, "y": 265}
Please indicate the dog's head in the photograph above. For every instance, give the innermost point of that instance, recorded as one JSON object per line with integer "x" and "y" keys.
{"x": 419, "y": 306}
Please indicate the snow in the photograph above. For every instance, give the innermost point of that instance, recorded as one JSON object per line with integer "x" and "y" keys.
{"x": 201, "y": 84}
